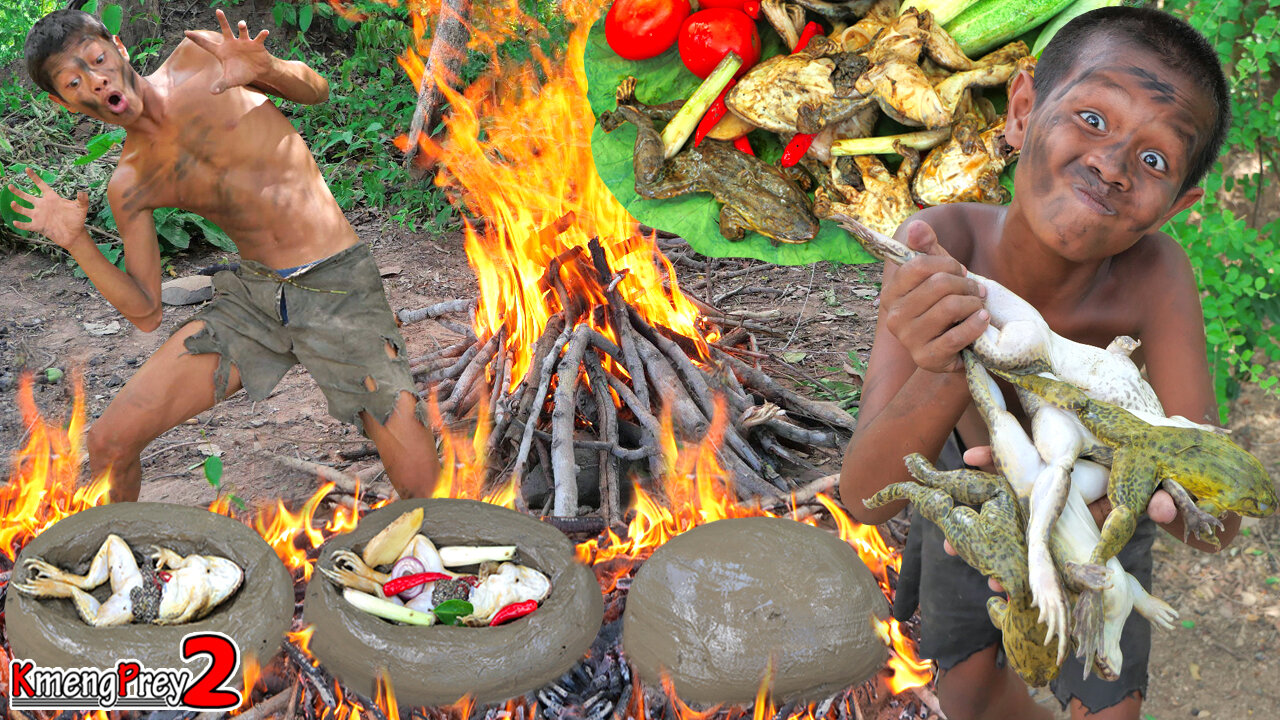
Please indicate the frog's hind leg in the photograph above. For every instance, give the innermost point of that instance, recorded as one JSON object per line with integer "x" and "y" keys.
{"x": 117, "y": 610}
{"x": 113, "y": 560}
{"x": 1150, "y": 606}
{"x": 1087, "y": 628}
{"x": 1197, "y": 521}
{"x": 971, "y": 487}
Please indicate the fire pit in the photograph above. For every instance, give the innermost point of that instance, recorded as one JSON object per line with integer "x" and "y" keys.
{"x": 715, "y": 605}
{"x": 51, "y": 633}
{"x": 438, "y": 665}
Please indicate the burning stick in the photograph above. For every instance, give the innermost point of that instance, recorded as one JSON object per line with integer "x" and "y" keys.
{"x": 562, "y": 462}
{"x": 608, "y": 415}
{"x": 431, "y": 311}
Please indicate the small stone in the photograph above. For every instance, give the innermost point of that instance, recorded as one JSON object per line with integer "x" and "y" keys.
{"x": 114, "y": 381}
{"x": 187, "y": 290}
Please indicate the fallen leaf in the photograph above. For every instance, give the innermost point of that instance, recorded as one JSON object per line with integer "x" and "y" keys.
{"x": 794, "y": 357}
{"x": 209, "y": 449}
{"x": 389, "y": 271}
{"x": 99, "y": 329}
{"x": 1195, "y": 672}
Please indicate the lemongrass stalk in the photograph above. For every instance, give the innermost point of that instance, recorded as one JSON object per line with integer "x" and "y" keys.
{"x": 456, "y": 555}
{"x": 386, "y": 609}
{"x": 687, "y": 117}
{"x": 943, "y": 10}
{"x": 884, "y": 145}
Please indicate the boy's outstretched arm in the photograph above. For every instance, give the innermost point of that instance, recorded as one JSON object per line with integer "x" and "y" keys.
{"x": 245, "y": 61}
{"x": 913, "y": 395}
{"x": 136, "y": 293}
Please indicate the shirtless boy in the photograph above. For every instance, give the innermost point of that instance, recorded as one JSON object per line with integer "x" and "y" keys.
{"x": 1126, "y": 113}
{"x": 202, "y": 135}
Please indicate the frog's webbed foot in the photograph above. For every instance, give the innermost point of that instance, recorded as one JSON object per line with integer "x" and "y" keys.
{"x": 350, "y": 571}
{"x": 1150, "y": 606}
{"x": 1088, "y": 621}
{"x": 37, "y": 568}
{"x": 910, "y": 161}
{"x": 43, "y": 587}
{"x": 732, "y": 223}
{"x": 972, "y": 487}
{"x": 1048, "y": 596}
{"x": 164, "y": 557}
{"x": 1197, "y": 521}
{"x": 1123, "y": 345}
{"x": 626, "y": 92}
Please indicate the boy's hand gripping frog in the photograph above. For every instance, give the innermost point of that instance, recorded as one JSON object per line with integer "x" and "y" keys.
{"x": 180, "y": 589}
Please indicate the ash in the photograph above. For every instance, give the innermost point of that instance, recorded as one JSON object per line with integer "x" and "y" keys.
{"x": 595, "y": 686}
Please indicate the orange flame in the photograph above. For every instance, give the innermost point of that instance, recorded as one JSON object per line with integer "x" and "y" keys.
{"x": 385, "y": 698}
{"x": 42, "y": 487}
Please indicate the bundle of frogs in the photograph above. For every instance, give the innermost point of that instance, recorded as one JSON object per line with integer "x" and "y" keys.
{"x": 1098, "y": 430}
{"x": 177, "y": 590}
{"x": 416, "y": 586}
{"x": 823, "y": 100}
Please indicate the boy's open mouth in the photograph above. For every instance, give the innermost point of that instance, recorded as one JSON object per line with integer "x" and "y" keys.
{"x": 116, "y": 102}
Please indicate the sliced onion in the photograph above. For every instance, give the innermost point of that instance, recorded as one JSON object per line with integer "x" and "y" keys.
{"x": 408, "y": 565}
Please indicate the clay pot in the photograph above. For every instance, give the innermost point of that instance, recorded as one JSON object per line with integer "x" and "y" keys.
{"x": 714, "y": 604}
{"x": 437, "y": 665}
{"x": 50, "y": 631}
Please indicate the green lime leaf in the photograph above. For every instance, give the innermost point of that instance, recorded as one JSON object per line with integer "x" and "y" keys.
{"x": 696, "y": 216}
{"x": 1188, "y": 624}
{"x": 112, "y": 16}
{"x": 239, "y": 503}
{"x": 449, "y": 611}
{"x": 52, "y": 375}
{"x": 213, "y": 470}
{"x": 100, "y": 145}
{"x": 304, "y": 17}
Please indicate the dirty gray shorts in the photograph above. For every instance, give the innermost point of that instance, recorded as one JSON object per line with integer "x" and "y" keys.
{"x": 954, "y": 623}
{"x": 332, "y": 316}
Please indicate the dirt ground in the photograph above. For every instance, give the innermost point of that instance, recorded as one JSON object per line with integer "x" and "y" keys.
{"x": 1218, "y": 663}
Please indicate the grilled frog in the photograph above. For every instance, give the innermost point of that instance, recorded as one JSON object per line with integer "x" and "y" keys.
{"x": 1185, "y": 461}
{"x": 755, "y": 195}
{"x": 991, "y": 541}
{"x": 967, "y": 167}
{"x": 903, "y": 89}
{"x": 179, "y": 589}
{"x": 869, "y": 192}
{"x": 800, "y": 92}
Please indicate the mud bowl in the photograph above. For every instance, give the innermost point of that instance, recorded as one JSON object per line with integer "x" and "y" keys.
{"x": 437, "y": 665}
{"x": 51, "y": 633}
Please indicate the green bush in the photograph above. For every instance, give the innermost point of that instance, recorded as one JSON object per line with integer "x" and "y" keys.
{"x": 1231, "y": 245}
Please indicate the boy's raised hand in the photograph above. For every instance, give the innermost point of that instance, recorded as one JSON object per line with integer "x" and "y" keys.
{"x": 243, "y": 59}
{"x": 930, "y": 305}
{"x": 53, "y": 216}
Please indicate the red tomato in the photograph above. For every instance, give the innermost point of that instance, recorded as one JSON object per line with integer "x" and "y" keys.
{"x": 750, "y": 7}
{"x": 708, "y": 35}
{"x": 641, "y": 29}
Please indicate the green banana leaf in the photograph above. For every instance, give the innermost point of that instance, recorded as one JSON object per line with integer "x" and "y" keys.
{"x": 694, "y": 217}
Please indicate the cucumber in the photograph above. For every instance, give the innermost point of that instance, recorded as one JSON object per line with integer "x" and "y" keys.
{"x": 1072, "y": 11}
{"x": 942, "y": 10}
{"x": 989, "y": 23}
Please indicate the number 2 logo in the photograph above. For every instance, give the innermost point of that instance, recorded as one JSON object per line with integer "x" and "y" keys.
{"x": 207, "y": 693}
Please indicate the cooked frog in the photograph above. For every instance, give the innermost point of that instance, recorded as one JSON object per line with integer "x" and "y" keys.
{"x": 869, "y": 192}
{"x": 801, "y": 92}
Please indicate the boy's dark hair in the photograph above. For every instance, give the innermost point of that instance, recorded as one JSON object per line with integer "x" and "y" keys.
{"x": 50, "y": 34}
{"x": 1177, "y": 44}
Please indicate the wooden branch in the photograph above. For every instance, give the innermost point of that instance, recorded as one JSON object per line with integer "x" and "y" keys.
{"x": 447, "y": 56}
{"x": 531, "y": 417}
{"x": 688, "y": 419}
{"x": 431, "y": 311}
{"x": 473, "y": 371}
{"x": 343, "y": 481}
{"x": 821, "y": 411}
{"x": 608, "y": 414}
{"x": 563, "y": 464}
{"x": 455, "y": 369}
{"x": 652, "y": 430}
{"x": 270, "y": 706}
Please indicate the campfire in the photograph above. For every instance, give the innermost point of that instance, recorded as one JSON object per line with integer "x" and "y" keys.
{"x": 579, "y": 352}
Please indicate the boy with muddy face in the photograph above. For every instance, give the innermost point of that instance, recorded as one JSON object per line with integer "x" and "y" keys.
{"x": 202, "y": 135}
{"x": 1126, "y": 112}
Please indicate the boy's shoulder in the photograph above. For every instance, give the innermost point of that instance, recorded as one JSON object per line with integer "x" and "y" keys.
{"x": 960, "y": 227}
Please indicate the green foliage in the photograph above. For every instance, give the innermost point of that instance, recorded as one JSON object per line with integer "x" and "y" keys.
{"x": 1232, "y": 246}
{"x": 16, "y": 18}
{"x": 696, "y": 216}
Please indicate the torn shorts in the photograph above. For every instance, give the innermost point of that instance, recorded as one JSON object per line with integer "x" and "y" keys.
{"x": 332, "y": 316}
{"x": 954, "y": 623}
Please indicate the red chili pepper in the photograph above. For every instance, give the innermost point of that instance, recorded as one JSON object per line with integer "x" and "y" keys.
{"x": 513, "y": 611}
{"x": 796, "y": 149}
{"x": 398, "y": 585}
{"x": 744, "y": 145}
{"x": 806, "y": 35}
{"x": 717, "y": 110}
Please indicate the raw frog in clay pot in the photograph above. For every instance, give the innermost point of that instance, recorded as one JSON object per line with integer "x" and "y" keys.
{"x": 423, "y": 570}
{"x": 802, "y": 92}
{"x": 990, "y": 539}
{"x": 179, "y": 589}
{"x": 755, "y": 195}
{"x": 863, "y": 188}
{"x": 1185, "y": 461}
